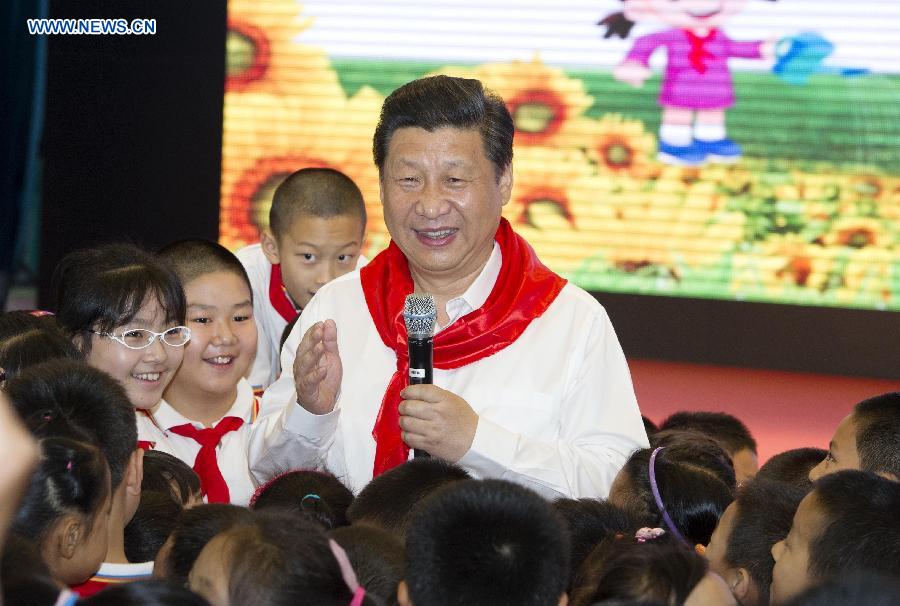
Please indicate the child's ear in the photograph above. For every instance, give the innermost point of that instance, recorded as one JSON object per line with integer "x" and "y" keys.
{"x": 506, "y": 184}
{"x": 741, "y": 586}
{"x": 564, "y": 599}
{"x": 71, "y": 531}
{"x": 403, "y": 594}
{"x": 269, "y": 247}
{"x": 134, "y": 475}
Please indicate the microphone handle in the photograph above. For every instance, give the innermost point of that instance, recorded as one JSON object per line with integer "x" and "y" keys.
{"x": 421, "y": 366}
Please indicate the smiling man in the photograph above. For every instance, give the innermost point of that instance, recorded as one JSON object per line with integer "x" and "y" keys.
{"x": 530, "y": 383}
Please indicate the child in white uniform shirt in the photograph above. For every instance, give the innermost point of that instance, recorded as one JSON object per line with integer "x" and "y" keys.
{"x": 209, "y": 411}
{"x": 316, "y": 228}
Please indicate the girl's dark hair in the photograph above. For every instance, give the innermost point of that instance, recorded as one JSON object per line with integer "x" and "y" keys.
{"x": 195, "y": 257}
{"x": 145, "y": 593}
{"x": 193, "y": 530}
{"x": 24, "y": 575}
{"x": 71, "y": 478}
{"x": 443, "y": 101}
{"x": 318, "y": 495}
{"x": 105, "y": 286}
{"x": 693, "y": 493}
{"x": 26, "y": 340}
{"x": 167, "y": 474}
{"x": 150, "y": 526}
{"x": 661, "y": 570}
{"x": 377, "y": 559}
{"x": 281, "y": 558}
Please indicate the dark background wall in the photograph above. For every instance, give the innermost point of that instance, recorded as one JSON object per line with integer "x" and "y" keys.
{"x": 132, "y": 149}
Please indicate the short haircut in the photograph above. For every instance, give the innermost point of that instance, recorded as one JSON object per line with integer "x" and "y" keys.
{"x": 55, "y": 396}
{"x": 726, "y": 429}
{"x": 376, "y": 557}
{"x": 445, "y": 102}
{"x": 26, "y": 340}
{"x": 691, "y": 486}
{"x": 860, "y": 529}
{"x": 862, "y": 587}
{"x": 168, "y": 474}
{"x": 194, "y": 528}
{"x": 486, "y": 542}
{"x": 878, "y": 433}
{"x": 649, "y": 426}
{"x": 388, "y": 500}
{"x": 588, "y": 522}
{"x": 150, "y": 526}
{"x": 105, "y": 286}
{"x": 314, "y": 192}
{"x": 150, "y": 592}
{"x": 793, "y": 466}
{"x": 282, "y": 558}
{"x": 765, "y": 511}
{"x": 315, "y": 494}
{"x": 70, "y": 478}
{"x": 195, "y": 257}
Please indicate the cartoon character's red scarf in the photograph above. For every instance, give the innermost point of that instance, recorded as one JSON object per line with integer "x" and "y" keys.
{"x": 524, "y": 290}
{"x": 698, "y": 53}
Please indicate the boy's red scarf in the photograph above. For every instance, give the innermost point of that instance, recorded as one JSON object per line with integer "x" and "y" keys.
{"x": 524, "y": 290}
{"x": 278, "y": 296}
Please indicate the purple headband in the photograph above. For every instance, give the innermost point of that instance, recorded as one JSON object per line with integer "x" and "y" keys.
{"x": 659, "y": 503}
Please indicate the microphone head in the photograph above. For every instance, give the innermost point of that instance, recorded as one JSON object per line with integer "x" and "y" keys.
{"x": 420, "y": 315}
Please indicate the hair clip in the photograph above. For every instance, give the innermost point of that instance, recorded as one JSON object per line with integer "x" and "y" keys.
{"x": 47, "y": 416}
{"x": 69, "y": 466}
{"x": 648, "y": 534}
{"x": 700, "y": 548}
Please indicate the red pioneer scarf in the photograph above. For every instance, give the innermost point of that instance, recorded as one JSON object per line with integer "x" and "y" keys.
{"x": 278, "y": 295}
{"x": 524, "y": 290}
{"x": 698, "y": 53}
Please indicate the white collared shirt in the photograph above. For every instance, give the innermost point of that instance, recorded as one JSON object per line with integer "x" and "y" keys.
{"x": 557, "y": 410}
{"x": 234, "y": 453}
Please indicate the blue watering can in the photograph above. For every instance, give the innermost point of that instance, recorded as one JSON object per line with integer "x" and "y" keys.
{"x": 800, "y": 56}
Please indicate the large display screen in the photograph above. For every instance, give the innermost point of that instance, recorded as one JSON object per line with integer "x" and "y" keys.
{"x": 732, "y": 149}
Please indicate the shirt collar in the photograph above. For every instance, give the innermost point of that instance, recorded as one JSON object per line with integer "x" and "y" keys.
{"x": 478, "y": 291}
{"x": 167, "y": 417}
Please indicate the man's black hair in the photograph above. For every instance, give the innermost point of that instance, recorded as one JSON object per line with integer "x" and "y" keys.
{"x": 878, "y": 433}
{"x": 486, "y": 542}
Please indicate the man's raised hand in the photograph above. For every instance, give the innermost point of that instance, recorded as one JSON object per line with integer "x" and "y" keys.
{"x": 317, "y": 368}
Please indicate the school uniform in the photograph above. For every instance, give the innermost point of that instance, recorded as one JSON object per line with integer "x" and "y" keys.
{"x": 224, "y": 467}
{"x": 113, "y": 574}
{"x": 273, "y": 310}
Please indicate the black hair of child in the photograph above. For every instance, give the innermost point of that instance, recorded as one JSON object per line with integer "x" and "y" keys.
{"x": 388, "y": 500}
{"x": 862, "y": 588}
{"x": 194, "y": 528}
{"x": 24, "y": 576}
{"x": 485, "y": 542}
{"x": 323, "y": 193}
{"x": 195, "y": 257}
{"x": 315, "y": 494}
{"x": 765, "y": 511}
{"x": 793, "y": 466}
{"x": 70, "y": 478}
{"x": 151, "y": 592}
{"x": 150, "y": 526}
{"x": 878, "y": 433}
{"x": 376, "y": 557}
{"x": 726, "y": 429}
{"x": 26, "y": 340}
{"x": 165, "y": 473}
{"x": 104, "y": 287}
{"x": 442, "y": 101}
{"x": 56, "y": 396}
{"x": 589, "y": 521}
{"x": 861, "y": 528}
{"x": 283, "y": 559}
{"x": 708, "y": 452}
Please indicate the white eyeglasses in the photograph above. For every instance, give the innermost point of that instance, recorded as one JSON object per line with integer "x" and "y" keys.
{"x": 141, "y": 338}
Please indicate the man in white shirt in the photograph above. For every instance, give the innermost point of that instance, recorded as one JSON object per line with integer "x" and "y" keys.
{"x": 530, "y": 383}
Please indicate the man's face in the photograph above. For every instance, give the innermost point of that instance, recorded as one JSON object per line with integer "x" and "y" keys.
{"x": 442, "y": 201}
{"x": 842, "y": 453}
{"x": 791, "y": 576}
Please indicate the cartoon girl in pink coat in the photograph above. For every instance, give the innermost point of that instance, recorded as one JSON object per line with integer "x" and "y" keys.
{"x": 696, "y": 87}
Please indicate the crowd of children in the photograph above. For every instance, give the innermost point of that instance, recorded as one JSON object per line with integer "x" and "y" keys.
{"x": 134, "y": 438}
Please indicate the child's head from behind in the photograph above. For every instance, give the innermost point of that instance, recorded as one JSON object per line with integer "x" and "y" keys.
{"x": 867, "y": 439}
{"x": 846, "y": 524}
{"x": 108, "y": 299}
{"x": 150, "y": 526}
{"x": 220, "y": 316}
{"x": 729, "y": 431}
{"x": 278, "y": 558}
{"x": 66, "y": 507}
{"x": 317, "y": 495}
{"x": 485, "y": 542}
{"x": 26, "y": 340}
{"x": 740, "y": 548}
{"x": 377, "y": 559}
{"x": 793, "y": 466}
{"x": 170, "y": 475}
{"x": 387, "y": 502}
{"x": 316, "y": 229}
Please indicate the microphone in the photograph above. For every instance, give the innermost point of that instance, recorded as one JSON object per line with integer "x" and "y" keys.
{"x": 420, "y": 316}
